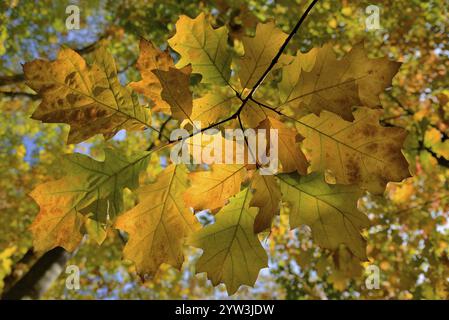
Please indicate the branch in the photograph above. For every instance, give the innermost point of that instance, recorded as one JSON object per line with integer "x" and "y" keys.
{"x": 15, "y": 94}
{"x": 7, "y": 80}
{"x": 410, "y": 113}
{"x": 441, "y": 160}
{"x": 161, "y": 130}
{"x": 261, "y": 79}
{"x": 282, "y": 48}
{"x": 422, "y": 205}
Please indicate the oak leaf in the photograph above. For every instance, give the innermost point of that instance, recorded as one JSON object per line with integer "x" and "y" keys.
{"x": 211, "y": 189}
{"x": 360, "y": 152}
{"x": 205, "y": 48}
{"x": 160, "y": 223}
{"x": 90, "y": 99}
{"x": 329, "y": 210}
{"x": 232, "y": 253}
{"x": 259, "y": 52}
{"x": 289, "y": 152}
{"x": 335, "y": 85}
{"x": 152, "y": 58}
{"x": 211, "y": 107}
{"x": 267, "y": 197}
{"x": 176, "y": 92}
{"x": 90, "y": 187}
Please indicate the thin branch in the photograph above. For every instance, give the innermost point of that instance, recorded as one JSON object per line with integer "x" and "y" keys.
{"x": 161, "y": 130}
{"x": 234, "y": 116}
{"x": 422, "y": 205}
{"x": 15, "y": 94}
{"x": 281, "y": 50}
{"x": 261, "y": 79}
{"x": 409, "y": 112}
{"x": 8, "y": 80}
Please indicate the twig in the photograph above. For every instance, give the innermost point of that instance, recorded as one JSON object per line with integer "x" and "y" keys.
{"x": 261, "y": 79}
{"x": 160, "y": 135}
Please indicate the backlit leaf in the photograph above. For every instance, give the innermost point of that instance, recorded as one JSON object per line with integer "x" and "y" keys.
{"x": 290, "y": 154}
{"x": 152, "y": 58}
{"x": 90, "y": 99}
{"x": 335, "y": 85}
{"x": 90, "y": 187}
{"x": 232, "y": 253}
{"x": 259, "y": 52}
{"x": 204, "y": 48}
{"x": 176, "y": 92}
{"x": 329, "y": 210}
{"x": 212, "y": 188}
{"x": 267, "y": 197}
{"x": 360, "y": 152}
{"x": 159, "y": 224}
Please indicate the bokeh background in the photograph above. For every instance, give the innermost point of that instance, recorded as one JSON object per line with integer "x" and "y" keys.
{"x": 409, "y": 237}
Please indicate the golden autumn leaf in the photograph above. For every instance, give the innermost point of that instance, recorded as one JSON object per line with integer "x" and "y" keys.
{"x": 211, "y": 107}
{"x": 211, "y": 189}
{"x": 160, "y": 223}
{"x": 232, "y": 253}
{"x": 335, "y": 85}
{"x": 290, "y": 154}
{"x": 58, "y": 223}
{"x": 253, "y": 114}
{"x": 176, "y": 92}
{"x": 152, "y": 58}
{"x": 205, "y": 48}
{"x": 360, "y": 152}
{"x": 329, "y": 210}
{"x": 214, "y": 147}
{"x": 90, "y": 99}
{"x": 267, "y": 197}
{"x": 90, "y": 188}
{"x": 259, "y": 52}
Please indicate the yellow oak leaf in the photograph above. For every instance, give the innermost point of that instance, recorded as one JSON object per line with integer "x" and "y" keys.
{"x": 176, "y": 92}
{"x": 152, "y": 58}
{"x": 253, "y": 114}
{"x": 259, "y": 52}
{"x": 211, "y": 107}
{"x": 58, "y": 223}
{"x": 267, "y": 197}
{"x": 336, "y": 85}
{"x": 360, "y": 152}
{"x": 329, "y": 210}
{"x": 204, "y": 48}
{"x": 159, "y": 225}
{"x": 90, "y": 99}
{"x": 232, "y": 253}
{"x": 289, "y": 151}
{"x": 212, "y": 188}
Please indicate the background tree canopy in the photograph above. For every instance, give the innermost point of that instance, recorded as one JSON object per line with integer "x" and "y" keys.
{"x": 408, "y": 236}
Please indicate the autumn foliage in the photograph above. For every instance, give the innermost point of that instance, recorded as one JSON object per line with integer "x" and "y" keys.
{"x": 332, "y": 148}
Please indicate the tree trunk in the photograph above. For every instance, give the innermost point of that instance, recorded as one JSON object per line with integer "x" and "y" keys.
{"x": 40, "y": 276}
